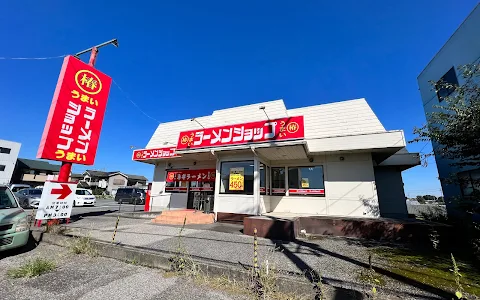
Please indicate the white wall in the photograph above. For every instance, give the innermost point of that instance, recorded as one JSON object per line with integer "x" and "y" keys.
{"x": 345, "y": 125}
{"x": 8, "y": 160}
{"x": 349, "y": 188}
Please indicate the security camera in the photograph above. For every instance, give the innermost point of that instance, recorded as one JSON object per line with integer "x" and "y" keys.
{"x": 342, "y": 158}
{"x": 194, "y": 163}
{"x": 310, "y": 159}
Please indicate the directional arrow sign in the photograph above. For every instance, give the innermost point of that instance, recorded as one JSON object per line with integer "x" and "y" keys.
{"x": 64, "y": 191}
{"x": 57, "y": 200}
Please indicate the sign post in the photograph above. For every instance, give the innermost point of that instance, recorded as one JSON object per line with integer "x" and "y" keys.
{"x": 73, "y": 125}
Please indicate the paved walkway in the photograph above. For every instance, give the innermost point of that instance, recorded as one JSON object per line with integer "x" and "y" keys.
{"x": 338, "y": 261}
{"x": 85, "y": 278}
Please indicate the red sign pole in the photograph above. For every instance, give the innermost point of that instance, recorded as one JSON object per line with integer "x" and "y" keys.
{"x": 66, "y": 167}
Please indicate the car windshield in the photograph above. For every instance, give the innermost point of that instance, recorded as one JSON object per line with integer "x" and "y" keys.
{"x": 124, "y": 191}
{"x": 36, "y": 192}
{"x": 6, "y": 199}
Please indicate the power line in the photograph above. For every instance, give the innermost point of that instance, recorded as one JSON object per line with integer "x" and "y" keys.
{"x": 133, "y": 102}
{"x": 33, "y": 58}
{"x": 62, "y": 56}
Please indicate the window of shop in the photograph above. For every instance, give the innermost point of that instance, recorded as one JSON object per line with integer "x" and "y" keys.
{"x": 264, "y": 179}
{"x": 278, "y": 181}
{"x": 176, "y": 187}
{"x": 306, "y": 181}
{"x": 236, "y": 177}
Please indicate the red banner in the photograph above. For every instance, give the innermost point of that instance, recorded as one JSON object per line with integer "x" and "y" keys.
{"x": 191, "y": 175}
{"x": 75, "y": 118}
{"x": 319, "y": 192}
{"x": 254, "y": 132}
{"x": 144, "y": 154}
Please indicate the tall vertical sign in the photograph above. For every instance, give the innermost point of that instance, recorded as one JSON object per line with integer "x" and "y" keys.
{"x": 74, "y": 122}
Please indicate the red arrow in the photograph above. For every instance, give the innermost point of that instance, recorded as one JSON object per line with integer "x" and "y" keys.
{"x": 63, "y": 192}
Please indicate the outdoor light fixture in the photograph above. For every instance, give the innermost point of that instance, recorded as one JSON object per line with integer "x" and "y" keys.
{"x": 195, "y": 120}
{"x": 263, "y": 108}
{"x": 113, "y": 42}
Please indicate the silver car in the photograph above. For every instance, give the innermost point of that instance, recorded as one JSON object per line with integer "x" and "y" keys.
{"x": 33, "y": 196}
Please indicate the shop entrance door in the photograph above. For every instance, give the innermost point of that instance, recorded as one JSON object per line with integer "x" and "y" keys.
{"x": 201, "y": 196}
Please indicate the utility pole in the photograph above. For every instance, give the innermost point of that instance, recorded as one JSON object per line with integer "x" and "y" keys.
{"x": 66, "y": 167}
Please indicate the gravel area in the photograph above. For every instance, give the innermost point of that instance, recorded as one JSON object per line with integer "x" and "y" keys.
{"x": 338, "y": 261}
{"x": 86, "y": 278}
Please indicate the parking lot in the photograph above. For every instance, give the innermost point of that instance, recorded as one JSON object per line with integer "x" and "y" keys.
{"x": 102, "y": 207}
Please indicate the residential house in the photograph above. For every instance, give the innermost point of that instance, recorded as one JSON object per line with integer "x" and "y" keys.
{"x": 34, "y": 172}
{"x": 110, "y": 181}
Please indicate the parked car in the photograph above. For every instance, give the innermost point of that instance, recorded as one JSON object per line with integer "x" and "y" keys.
{"x": 22, "y": 200}
{"x": 16, "y": 187}
{"x": 14, "y": 230}
{"x": 33, "y": 196}
{"x": 84, "y": 197}
{"x": 130, "y": 195}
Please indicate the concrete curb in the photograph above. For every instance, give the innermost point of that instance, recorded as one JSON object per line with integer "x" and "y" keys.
{"x": 160, "y": 260}
{"x": 138, "y": 215}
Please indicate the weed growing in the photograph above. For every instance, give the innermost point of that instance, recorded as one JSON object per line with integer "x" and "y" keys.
{"x": 83, "y": 245}
{"x": 32, "y": 268}
{"x": 182, "y": 262}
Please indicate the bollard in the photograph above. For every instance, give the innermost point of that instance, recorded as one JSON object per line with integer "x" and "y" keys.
{"x": 255, "y": 252}
{"x": 32, "y": 218}
{"x": 115, "y": 230}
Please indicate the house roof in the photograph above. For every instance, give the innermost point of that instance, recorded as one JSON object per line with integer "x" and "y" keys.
{"x": 136, "y": 177}
{"x": 74, "y": 175}
{"x": 103, "y": 174}
{"x": 36, "y": 164}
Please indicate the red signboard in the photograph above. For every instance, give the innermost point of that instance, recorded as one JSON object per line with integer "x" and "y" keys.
{"x": 191, "y": 175}
{"x": 254, "y": 132}
{"x": 75, "y": 118}
{"x": 144, "y": 154}
{"x": 319, "y": 192}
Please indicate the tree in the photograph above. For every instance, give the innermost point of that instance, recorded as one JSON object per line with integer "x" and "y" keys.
{"x": 429, "y": 197}
{"x": 420, "y": 199}
{"x": 454, "y": 127}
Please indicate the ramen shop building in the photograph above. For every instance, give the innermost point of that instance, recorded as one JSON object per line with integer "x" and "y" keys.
{"x": 333, "y": 159}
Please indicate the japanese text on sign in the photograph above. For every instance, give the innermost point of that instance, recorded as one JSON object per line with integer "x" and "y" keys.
{"x": 143, "y": 154}
{"x": 76, "y": 114}
{"x": 191, "y": 175}
{"x": 262, "y": 131}
{"x": 237, "y": 179}
{"x": 56, "y": 201}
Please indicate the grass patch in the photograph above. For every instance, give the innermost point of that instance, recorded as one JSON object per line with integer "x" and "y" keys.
{"x": 430, "y": 268}
{"x": 32, "y": 268}
{"x": 83, "y": 245}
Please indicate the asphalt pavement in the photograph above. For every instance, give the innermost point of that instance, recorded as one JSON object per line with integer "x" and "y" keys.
{"x": 87, "y": 278}
{"x": 102, "y": 207}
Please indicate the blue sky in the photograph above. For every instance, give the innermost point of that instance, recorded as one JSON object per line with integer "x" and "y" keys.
{"x": 181, "y": 59}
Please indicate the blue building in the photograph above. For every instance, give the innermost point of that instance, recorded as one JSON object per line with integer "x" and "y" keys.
{"x": 462, "y": 48}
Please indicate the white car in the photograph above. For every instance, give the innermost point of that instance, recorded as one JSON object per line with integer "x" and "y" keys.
{"x": 84, "y": 197}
